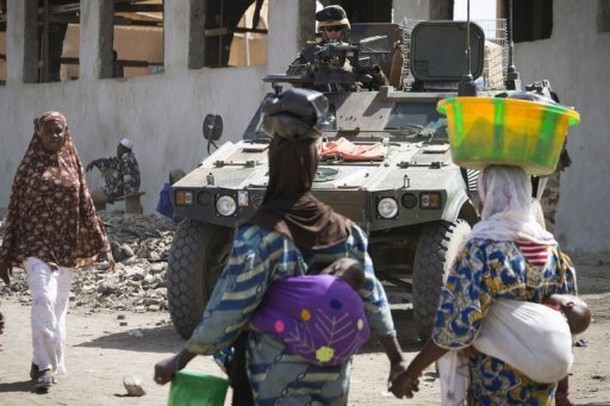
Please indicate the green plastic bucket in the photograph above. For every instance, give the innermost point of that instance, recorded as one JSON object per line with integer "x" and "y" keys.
{"x": 191, "y": 388}
{"x": 499, "y": 131}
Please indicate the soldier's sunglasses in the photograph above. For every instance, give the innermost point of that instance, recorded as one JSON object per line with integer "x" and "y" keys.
{"x": 333, "y": 28}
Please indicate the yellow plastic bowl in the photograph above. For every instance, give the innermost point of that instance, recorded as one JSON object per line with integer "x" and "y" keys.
{"x": 191, "y": 388}
{"x": 487, "y": 131}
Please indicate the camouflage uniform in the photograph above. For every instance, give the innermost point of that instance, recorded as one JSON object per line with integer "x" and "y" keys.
{"x": 124, "y": 177}
{"x": 550, "y": 197}
{"x": 550, "y": 200}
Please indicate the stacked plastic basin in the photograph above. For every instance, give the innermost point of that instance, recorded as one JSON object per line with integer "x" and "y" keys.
{"x": 487, "y": 131}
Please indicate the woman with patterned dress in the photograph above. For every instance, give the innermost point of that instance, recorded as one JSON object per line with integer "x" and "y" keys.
{"x": 51, "y": 229}
{"x": 496, "y": 264}
{"x": 292, "y": 233}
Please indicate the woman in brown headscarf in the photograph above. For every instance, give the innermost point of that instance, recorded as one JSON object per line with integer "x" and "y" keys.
{"x": 292, "y": 233}
{"x": 51, "y": 228}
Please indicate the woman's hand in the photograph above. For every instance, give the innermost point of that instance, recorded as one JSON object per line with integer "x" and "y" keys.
{"x": 166, "y": 369}
{"x": 6, "y": 271}
{"x": 110, "y": 260}
{"x": 406, "y": 381}
{"x": 403, "y": 382}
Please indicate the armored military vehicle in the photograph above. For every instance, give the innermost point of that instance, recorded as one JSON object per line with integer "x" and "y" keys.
{"x": 385, "y": 161}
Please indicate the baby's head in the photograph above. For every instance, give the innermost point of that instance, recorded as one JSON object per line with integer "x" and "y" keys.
{"x": 348, "y": 269}
{"x": 575, "y": 309}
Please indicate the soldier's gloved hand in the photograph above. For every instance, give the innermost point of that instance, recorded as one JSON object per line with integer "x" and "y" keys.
{"x": 379, "y": 78}
{"x": 375, "y": 70}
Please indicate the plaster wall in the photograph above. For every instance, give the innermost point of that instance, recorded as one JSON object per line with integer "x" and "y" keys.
{"x": 161, "y": 113}
{"x": 412, "y": 9}
{"x": 575, "y": 60}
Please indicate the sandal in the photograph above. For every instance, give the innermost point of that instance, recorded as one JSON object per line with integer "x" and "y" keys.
{"x": 34, "y": 372}
{"x": 45, "y": 379}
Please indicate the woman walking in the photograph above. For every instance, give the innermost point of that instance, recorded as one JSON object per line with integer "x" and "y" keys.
{"x": 51, "y": 229}
{"x": 292, "y": 233}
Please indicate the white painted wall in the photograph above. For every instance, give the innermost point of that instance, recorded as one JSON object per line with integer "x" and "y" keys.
{"x": 479, "y": 9}
{"x": 411, "y": 9}
{"x": 575, "y": 60}
{"x": 161, "y": 113}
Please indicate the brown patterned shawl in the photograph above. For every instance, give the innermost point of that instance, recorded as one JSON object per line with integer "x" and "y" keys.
{"x": 51, "y": 215}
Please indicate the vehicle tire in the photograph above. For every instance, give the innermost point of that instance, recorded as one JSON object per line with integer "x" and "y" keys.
{"x": 197, "y": 256}
{"x": 437, "y": 247}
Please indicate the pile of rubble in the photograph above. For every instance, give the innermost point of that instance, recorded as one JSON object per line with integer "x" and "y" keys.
{"x": 140, "y": 246}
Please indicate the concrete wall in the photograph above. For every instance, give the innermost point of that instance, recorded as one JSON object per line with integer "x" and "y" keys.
{"x": 575, "y": 60}
{"x": 161, "y": 113}
{"x": 412, "y": 9}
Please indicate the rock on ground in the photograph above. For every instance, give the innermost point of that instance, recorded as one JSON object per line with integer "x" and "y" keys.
{"x": 140, "y": 246}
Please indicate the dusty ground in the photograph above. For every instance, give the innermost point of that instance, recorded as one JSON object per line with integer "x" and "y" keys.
{"x": 101, "y": 351}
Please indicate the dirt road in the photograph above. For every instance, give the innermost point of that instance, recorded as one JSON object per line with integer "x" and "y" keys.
{"x": 102, "y": 350}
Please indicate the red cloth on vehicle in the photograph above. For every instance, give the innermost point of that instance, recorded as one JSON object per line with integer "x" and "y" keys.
{"x": 347, "y": 151}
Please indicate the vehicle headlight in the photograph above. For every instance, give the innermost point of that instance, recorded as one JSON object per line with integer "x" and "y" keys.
{"x": 409, "y": 200}
{"x": 205, "y": 198}
{"x": 387, "y": 208}
{"x": 431, "y": 200}
{"x": 226, "y": 205}
{"x": 184, "y": 198}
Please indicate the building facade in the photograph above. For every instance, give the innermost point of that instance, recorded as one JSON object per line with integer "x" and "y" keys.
{"x": 162, "y": 111}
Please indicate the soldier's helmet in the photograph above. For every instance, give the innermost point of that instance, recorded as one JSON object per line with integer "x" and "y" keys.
{"x": 333, "y": 15}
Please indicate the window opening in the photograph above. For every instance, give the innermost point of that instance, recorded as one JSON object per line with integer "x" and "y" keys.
{"x": 603, "y": 16}
{"x": 532, "y": 20}
{"x": 2, "y": 42}
{"x": 249, "y": 44}
{"x": 222, "y": 25}
{"x": 138, "y": 38}
{"x": 58, "y": 40}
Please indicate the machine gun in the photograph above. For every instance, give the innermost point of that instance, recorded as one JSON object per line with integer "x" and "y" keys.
{"x": 333, "y": 65}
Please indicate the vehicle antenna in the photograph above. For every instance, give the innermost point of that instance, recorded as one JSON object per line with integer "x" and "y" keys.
{"x": 467, "y": 86}
{"x": 512, "y": 76}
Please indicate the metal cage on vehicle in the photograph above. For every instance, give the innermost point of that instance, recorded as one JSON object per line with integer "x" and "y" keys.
{"x": 495, "y": 51}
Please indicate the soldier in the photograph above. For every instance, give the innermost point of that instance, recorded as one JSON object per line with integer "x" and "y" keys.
{"x": 333, "y": 28}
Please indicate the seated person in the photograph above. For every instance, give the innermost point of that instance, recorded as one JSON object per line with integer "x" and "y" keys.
{"x": 333, "y": 26}
{"x": 121, "y": 174}
{"x": 319, "y": 317}
{"x": 164, "y": 205}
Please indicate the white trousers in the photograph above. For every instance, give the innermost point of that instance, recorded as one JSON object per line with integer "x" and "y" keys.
{"x": 50, "y": 292}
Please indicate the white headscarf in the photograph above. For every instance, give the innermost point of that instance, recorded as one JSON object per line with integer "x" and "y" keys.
{"x": 506, "y": 195}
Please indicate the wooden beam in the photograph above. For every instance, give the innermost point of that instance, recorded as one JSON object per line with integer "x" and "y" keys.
{"x": 125, "y": 62}
{"x": 135, "y": 8}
